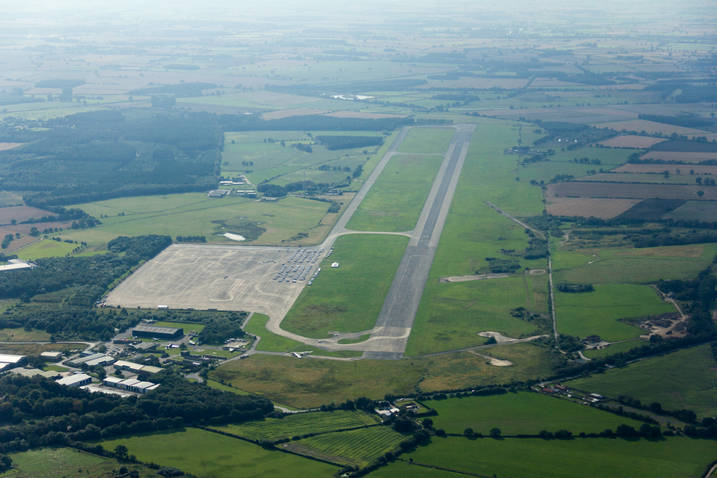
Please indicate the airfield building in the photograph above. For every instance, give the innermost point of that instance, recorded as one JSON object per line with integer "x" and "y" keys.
{"x": 155, "y": 332}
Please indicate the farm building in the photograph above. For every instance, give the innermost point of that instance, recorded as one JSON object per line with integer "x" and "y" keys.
{"x": 155, "y": 332}
{"x": 8, "y": 361}
{"x": 76, "y": 380}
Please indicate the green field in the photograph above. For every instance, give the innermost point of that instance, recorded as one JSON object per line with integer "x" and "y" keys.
{"x": 45, "y": 248}
{"x": 401, "y": 468}
{"x": 310, "y": 383}
{"x": 427, "y": 140}
{"x": 455, "y": 313}
{"x": 208, "y": 454}
{"x": 523, "y": 412}
{"x": 683, "y": 379}
{"x": 65, "y": 462}
{"x": 273, "y": 429}
{"x": 590, "y": 458}
{"x": 261, "y": 156}
{"x": 597, "y": 312}
{"x": 355, "y": 447}
{"x": 349, "y": 298}
{"x": 639, "y": 266}
{"x": 396, "y": 199}
{"x": 21, "y": 335}
{"x": 194, "y": 214}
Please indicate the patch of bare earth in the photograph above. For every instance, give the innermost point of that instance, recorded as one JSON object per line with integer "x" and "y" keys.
{"x": 21, "y": 213}
{"x": 472, "y": 277}
{"x": 628, "y": 191}
{"x": 9, "y": 146}
{"x": 281, "y": 114}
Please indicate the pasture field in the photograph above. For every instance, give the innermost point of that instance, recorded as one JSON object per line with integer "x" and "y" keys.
{"x": 273, "y": 429}
{"x": 396, "y": 199}
{"x": 631, "y": 141}
{"x": 65, "y": 462}
{"x": 427, "y": 140}
{"x": 459, "y": 311}
{"x": 695, "y": 211}
{"x": 591, "y": 458}
{"x": 602, "y": 208}
{"x": 629, "y": 191}
{"x": 613, "y": 349}
{"x": 208, "y": 454}
{"x": 194, "y": 214}
{"x": 402, "y": 468}
{"x": 683, "y": 379}
{"x": 638, "y": 266}
{"x": 562, "y": 162}
{"x": 523, "y": 412}
{"x": 311, "y": 382}
{"x": 21, "y": 335}
{"x": 348, "y": 298}
{"x": 45, "y": 248}
{"x": 271, "y": 155}
{"x": 354, "y": 447}
{"x": 597, "y": 312}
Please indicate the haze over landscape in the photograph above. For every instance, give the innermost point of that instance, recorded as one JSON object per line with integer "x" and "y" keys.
{"x": 410, "y": 238}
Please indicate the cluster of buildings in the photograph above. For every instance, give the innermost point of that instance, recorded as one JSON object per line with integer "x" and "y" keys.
{"x": 130, "y": 384}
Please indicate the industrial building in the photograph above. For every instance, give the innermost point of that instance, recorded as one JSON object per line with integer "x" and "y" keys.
{"x": 155, "y": 332}
{"x": 75, "y": 380}
{"x": 136, "y": 367}
{"x": 92, "y": 360}
{"x": 130, "y": 384}
{"x": 8, "y": 361}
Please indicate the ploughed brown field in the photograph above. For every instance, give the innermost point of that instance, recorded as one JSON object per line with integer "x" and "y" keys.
{"x": 631, "y": 141}
{"x": 629, "y": 191}
{"x": 21, "y": 213}
{"x": 589, "y": 207}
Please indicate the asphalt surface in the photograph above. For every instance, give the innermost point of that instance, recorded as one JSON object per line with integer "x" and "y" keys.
{"x": 395, "y": 320}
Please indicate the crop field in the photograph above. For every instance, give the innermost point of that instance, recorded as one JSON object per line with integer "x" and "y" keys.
{"x": 639, "y": 266}
{"x": 679, "y": 156}
{"x": 194, "y": 214}
{"x": 273, "y": 429}
{"x": 311, "y": 382}
{"x": 695, "y": 211}
{"x": 21, "y": 213}
{"x": 602, "y": 208}
{"x": 354, "y": 447}
{"x": 597, "y": 312}
{"x": 66, "y": 462}
{"x": 427, "y": 140}
{"x": 396, "y": 199}
{"x": 271, "y": 155}
{"x": 348, "y": 298}
{"x": 653, "y": 127}
{"x": 631, "y": 141}
{"x": 45, "y": 248}
{"x": 460, "y": 311}
{"x": 680, "y": 170}
{"x": 208, "y": 454}
{"x": 523, "y": 412}
{"x": 591, "y": 458}
{"x": 688, "y": 379}
{"x": 629, "y": 191}
{"x": 616, "y": 177}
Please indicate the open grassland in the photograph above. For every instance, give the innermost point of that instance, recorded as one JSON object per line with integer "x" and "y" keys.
{"x": 427, "y": 140}
{"x": 640, "y": 266}
{"x": 348, "y": 298}
{"x": 194, "y": 214}
{"x": 459, "y": 311}
{"x": 66, "y": 462}
{"x": 208, "y": 454}
{"x": 271, "y": 155}
{"x": 402, "y": 468}
{"x": 313, "y": 382}
{"x": 563, "y": 162}
{"x": 683, "y": 379}
{"x": 187, "y": 326}
{"x": 273, "y": 429}
{"x": 22, "y": 335}
{"x": 45, "y": 248}
{"x": 354, "y": 447}
{"x": 37, "y": 349}
{"x": 472, "y": 233}
{"x": 396, "y": 199}
{"x": 591, "y": 458}
{"x": 597, "y": 312}
{"x": 522, "y": 412}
